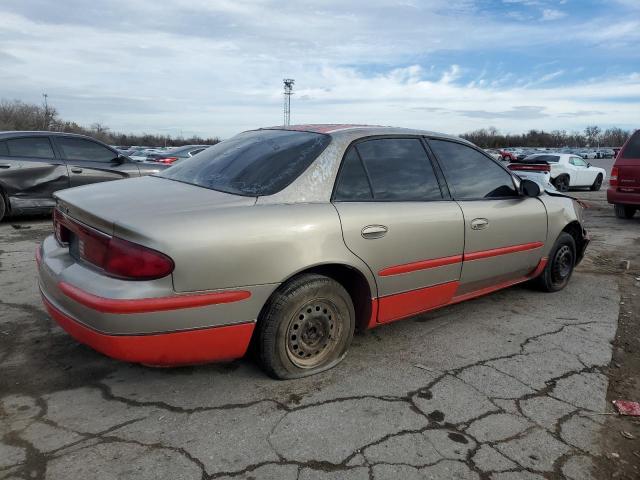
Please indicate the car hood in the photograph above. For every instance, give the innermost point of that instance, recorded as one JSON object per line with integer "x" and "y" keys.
{"x": 147, "y": 205}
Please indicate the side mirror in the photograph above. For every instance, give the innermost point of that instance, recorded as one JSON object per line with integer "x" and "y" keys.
{"x": 529, "y": 188}
{"x": 119, "y": 160}
{"x": 588, "y": 164}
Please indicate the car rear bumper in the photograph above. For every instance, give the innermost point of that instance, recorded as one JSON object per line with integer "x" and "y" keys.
{"x": 146, "y": 321}
{"x": 164, "y": 349}
{"x": 614, "y": 195}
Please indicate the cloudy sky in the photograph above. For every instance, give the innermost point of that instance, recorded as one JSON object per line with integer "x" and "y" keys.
{"x": 215, "y": 67}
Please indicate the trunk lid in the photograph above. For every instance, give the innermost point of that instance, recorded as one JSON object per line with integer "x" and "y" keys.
{"x": 146, "y": 205}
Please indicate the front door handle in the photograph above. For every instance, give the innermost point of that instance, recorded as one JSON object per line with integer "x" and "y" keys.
{"x": 374, "y": 231}
{"x": 76, "y": 170}
{"x": 5, "y": 165}
{"x": 479, "y": 223}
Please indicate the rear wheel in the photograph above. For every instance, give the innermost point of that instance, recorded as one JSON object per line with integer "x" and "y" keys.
{"x": 3, "y": 207}
{"x": 597, "y": 183}
{"x": 560, "y": 265}
{"x": 624, "y": 211}
{"x": 562, "y": 183}
{"x": 306, "y": 327}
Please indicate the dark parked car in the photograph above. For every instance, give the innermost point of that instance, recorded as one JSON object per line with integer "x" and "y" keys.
{"x": 178, "y": 153}
{"x": 33, "y": 165}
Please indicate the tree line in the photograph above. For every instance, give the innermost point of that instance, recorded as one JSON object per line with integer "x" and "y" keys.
{"x": 17, "y": 115}
{"x": 592, "y": 137}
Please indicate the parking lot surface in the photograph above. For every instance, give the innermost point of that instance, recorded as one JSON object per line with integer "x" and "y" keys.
{"x": 508, "y": 386}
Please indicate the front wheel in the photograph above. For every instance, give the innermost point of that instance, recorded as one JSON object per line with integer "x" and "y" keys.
{"x": 305, "y": 328}
{"x": 559, "y": 268}
{"x": 562, "y": 183}
{"x": 597, "y": 183}
{"x": 623, "y": 211}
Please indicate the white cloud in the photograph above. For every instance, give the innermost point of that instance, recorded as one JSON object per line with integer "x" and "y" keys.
{"x": 549, "y": 14}
{"x": 215, "y": 68}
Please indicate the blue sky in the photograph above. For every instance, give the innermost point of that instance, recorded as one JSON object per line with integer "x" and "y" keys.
{"x": 215, "y": 67}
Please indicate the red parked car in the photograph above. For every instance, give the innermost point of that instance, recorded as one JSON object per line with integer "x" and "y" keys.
{"x": 624, "y": 184}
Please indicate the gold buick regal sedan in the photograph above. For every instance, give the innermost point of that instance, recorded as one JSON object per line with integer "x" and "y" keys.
{"x": 292, "y": 238}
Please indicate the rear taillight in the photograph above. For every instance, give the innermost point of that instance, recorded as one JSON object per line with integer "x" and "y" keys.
{"x": 115, "y": 256}
{"x": 167, "y": 159}
{"x": 60, "y": 231}
{"x": 531, "y": 168}
{"x": 613, "y": 179}
{"x": 129, "y": 260}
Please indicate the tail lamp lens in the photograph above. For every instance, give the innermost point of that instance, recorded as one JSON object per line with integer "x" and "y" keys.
{"x": 115, "y": 256}
{"x": 167, "y": 159}
{"x": 613, "y": 179}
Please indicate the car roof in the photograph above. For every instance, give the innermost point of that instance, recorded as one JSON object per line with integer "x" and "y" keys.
{"x": 338, "y": 129}
{"x": 38, "y": 133}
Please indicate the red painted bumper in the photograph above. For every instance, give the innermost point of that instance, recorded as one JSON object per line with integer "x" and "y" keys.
{"x": 614, "y": 195}
{"x": 164, "y": 349}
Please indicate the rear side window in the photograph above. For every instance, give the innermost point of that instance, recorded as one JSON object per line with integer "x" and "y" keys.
{"x": 81, "y": 149}
{"x": 38, "y": 147}
{"x": 3, "y": 149}
{"x": 353, "y": 185}
{"x": 471, "y": 174}
{"x": 632, "y": 149}
{"x": 399, "y": 169}
{"x": 256, "y": 163}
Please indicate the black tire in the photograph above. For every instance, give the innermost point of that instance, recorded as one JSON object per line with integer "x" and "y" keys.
{"x": 561, "y": 183}
{"x": 624, "y": 211}
{"x": 3, "y": 206}
{"x": 597, "y": 183}
{"x": 297, "y": 327}
{"x": 559, "y": 268}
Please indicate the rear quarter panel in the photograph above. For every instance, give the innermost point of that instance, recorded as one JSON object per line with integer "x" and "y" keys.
{"x": 242, "y": 246}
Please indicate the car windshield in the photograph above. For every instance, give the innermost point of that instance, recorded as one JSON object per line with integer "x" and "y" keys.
{"x": 255, "y": 163}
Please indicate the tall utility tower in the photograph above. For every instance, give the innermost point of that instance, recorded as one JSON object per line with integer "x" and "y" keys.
{"x": 288, "y": 91}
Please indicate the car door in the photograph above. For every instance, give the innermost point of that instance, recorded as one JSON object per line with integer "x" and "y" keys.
{"x": 504, "y": 232}
{"x": 398, "y": 220}
{"x": 582, "y": 173}
{"x": 30, "y": 172}
{"x": 91, "y": 162}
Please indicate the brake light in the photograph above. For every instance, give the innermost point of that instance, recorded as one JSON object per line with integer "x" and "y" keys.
{"x": 541, "y": 167}
{"x": 129, "y": 260}
{"x": 167, "y": 159}
{"x": 613, "y": 179}
{"x": 60, "y": 231}
{"x": 115, "y": 256}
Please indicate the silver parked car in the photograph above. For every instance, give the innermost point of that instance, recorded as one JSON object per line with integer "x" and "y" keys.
{"x": 290, "y": 239}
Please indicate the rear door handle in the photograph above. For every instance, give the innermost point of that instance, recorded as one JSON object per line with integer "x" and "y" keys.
{"x": 374, "y": 231}
{"x": 479, "y": 223}
{"x": 76, "y": 170}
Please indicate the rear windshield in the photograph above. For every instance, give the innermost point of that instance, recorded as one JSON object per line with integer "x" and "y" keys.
{"x": 256, "y": 163}
{"x": 632, "y": 149}
{"x": 542, "y": 158}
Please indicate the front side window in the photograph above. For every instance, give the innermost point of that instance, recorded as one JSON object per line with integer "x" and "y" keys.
{"x": 38, "y": 147}
{"x": 578, "y": 162}
{"x": 81, "y": 149}
{"x": 255, "y": 163}
{"x": 470, "y": 174}
{"x": 3, "y": 148}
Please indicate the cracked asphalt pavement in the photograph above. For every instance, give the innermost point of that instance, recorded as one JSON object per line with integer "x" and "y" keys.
{"x": 504, "y": 387}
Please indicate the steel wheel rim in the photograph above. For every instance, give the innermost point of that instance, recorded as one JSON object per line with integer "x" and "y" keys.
{"x": 562, "y": 264}
{"x": 313, "y": 333}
